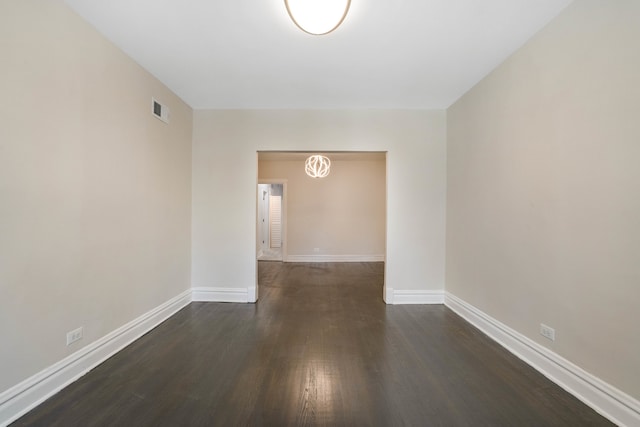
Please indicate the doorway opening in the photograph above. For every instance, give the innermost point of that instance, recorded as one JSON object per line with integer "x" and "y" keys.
{"x": 338, "y": 218}
{"x": 270, "y": 226}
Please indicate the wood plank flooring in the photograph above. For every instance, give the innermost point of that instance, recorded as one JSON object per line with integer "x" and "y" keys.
{"x": 320, "y": 348}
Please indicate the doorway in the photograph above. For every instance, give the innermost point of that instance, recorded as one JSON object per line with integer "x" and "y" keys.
{"x": 270, "y": 241}
{"x": 335, "y": 219}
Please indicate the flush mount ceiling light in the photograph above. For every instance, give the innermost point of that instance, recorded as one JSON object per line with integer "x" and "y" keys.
{"x": 317, "y": 17}
{"x": 317, "y": 166}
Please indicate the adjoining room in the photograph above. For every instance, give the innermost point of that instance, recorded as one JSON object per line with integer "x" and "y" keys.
{"x": 340, "y": 217}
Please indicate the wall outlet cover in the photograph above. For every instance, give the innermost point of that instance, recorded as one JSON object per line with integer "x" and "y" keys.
{"x": 74, "y": 335}
{"x": 547, "y": 332}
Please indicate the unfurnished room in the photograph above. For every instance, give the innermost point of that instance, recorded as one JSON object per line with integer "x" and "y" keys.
{"x": 319, "y": 213}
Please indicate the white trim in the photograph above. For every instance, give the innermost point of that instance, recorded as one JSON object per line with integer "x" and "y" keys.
{"x": 399, "y": 296}
{"x": 605, "y": 399}
{"x": 387, "y": 295}
{"x": 252, "y": 294}
{"x": 210, "y": 294}
{"x": 21, "y": 398}
{"x": 334, "y": 258}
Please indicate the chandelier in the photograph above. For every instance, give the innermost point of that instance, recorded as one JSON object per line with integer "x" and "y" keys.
{"x": 317, "y": 166}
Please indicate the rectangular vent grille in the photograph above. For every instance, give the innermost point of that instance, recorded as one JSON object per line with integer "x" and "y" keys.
{"x": 160, "y": 111}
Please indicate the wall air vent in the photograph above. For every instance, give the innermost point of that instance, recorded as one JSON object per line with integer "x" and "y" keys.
{"x": 159, "y": 110}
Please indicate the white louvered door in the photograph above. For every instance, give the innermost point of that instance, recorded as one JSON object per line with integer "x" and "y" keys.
{"x": 275, "y": 221}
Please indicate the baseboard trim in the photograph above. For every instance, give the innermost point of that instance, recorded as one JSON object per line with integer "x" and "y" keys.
{"x": 605, "y": 399}
{"x": 21, "y": 398}
{"x": 211, "y": 294}
{"x": 252, "y": 294}
{"x": 387, "y": 295}
{"x": 334, "y": 258}
{"x": 399, "y": 296}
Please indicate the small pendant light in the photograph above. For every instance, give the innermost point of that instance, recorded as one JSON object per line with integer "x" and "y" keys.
{"x": 317, "y": 166}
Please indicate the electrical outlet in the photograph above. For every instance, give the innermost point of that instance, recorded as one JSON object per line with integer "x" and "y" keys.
{"x": 316, "y": 249}
{"x": 74, "y": 335}
{"x": 547, "y": 332}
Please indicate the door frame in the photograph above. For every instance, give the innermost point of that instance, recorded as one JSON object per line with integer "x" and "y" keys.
{"x": 263, "y": 205}
{"x": 285, "y": 199}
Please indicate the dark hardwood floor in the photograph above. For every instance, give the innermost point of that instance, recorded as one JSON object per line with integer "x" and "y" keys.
{"x": 319, "y": 348}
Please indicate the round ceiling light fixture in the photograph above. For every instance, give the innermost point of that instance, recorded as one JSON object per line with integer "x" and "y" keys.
{"x": 317, "y": 166}
{"x": 317, "y": 17}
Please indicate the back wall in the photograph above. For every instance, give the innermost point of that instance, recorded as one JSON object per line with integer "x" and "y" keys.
{"x": 225, "y": 146}
{"x": 342, "y": 215}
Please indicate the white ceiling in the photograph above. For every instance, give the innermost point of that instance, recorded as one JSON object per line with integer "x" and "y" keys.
{"x": 386, "y": 54}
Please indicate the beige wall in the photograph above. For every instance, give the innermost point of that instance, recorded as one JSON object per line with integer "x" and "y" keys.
{"x": 94, "y": 191}
{"x": 543, "y": 209}
{"x": 225, "y": 144}
{"x": 341, "y": 214}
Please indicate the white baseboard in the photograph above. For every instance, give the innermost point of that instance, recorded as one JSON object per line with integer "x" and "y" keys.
{"x": 605, "y": 399}
{"x": 21, "y": 398}
{"x": 334, "y": 258}
{"x": 252, "y": 294}
{"x": 387, "y": 295}
{"x": 210, "y": 294}
{"x": 398, "y": 296}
